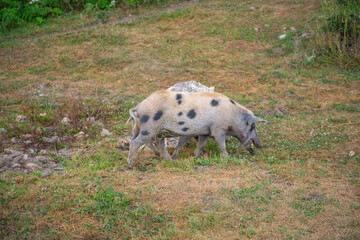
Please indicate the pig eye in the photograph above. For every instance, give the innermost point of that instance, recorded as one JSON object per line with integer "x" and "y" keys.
{"x": 252, "y": 127}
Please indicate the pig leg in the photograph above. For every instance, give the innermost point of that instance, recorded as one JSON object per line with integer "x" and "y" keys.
{"x": 140, "y": 140}
{"x": 150, "y": 145}
{"x": 161, "y": 143}
{"x": 200, "y": 145}
{"x": 220, "y": 140}
{"x": 182, "y": 141}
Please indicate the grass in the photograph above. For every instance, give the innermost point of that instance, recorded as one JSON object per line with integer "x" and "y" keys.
{"x": 302, "y": 185}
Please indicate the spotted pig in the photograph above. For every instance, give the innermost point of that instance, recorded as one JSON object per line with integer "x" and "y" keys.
{"x": 200, "y": 114}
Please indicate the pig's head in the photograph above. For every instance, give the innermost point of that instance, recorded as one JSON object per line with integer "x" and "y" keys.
{"x": 247, "y": 131}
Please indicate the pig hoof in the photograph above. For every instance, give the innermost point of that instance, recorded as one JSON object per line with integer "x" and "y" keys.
{"x": 224, "y": 155}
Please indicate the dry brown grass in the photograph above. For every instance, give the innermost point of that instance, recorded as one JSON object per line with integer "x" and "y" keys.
{"x": 213, "y": 43}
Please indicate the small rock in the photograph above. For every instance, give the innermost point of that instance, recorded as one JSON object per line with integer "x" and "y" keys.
{"x": 3, "y": 131}
{"x": 21, "y": 118}
{"x": 14, "y": 154}
{"x": 252, "y": 8}
{"x": 58, "y": 169}
{"x": 16, "y": 165}
{"x": 9, "y": 151}
{"x": 43, "y": 152}
{"x": 13, "y": 140}
{"x": 26, "y": 136}
{"x": 284, "y": 28}
{"x": 288, "y": 93}
{"x": 31, "y": 165}
{"x": 81, "y": 134}
{"x": 50, "y": 140}
{"x": 50, "y": 129}
{"x": 42, "y": 86}
{"x": 41, "y": 159}
{"x": 66, "y": 121}
{"x": 64, "y": 153}
{"x": 293, "y": 29}
{"x": 45, "y": 174}
{"x": 27, "y": 142}
{"x": 123, "y": 144}
{"x": 266, "y": 25}
{"x": 306, "y": 34}
{"x": 32, "y": 151}
{"x": 91, "y": 120}
{"x": 42, "y": 114}
{"x": 282, "y": 36}
{"x": 105, "y": 132}
{"x": 25, "y": 157}
{"x": 98, "y": 123}
{"x": 351, "y": 153}
{"x": 17, "y": 158}
{"x": 256, "y": 29}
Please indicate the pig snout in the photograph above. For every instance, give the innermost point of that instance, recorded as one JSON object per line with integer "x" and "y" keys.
{"x": 257, "y": 142}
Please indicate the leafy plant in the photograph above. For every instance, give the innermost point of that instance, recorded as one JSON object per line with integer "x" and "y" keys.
{"x": 338, "y": 31}
{"x": 16, "y": 13}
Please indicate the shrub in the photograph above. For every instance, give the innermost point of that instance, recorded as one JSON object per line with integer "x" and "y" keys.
{"x": 15, "y": 13}
{"x": 338, "y": 31}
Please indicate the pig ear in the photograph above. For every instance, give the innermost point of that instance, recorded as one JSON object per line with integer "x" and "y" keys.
{"x": 253, "y": 119}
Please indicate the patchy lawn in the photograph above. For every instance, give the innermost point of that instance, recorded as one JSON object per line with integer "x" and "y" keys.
{"x": 302, "y": 185}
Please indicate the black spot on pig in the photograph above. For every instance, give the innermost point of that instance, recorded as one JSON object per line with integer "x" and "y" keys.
{"x": 144, "y": 118}
{"x": 252, "y": 127}
{"x": 144, "y": 132}
{"x": 180, "y": 114}
{"x": 232, "y": 102}
{"x": 158, "y": 115}
{"x": 191, "y": 114}
{"x": 185, "y": 129}
{"x": 214, "y": 103}
{"x": 178, "y": 98}
{"x": 181, "y": 123}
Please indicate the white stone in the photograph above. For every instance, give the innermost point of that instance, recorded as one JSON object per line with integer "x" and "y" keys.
{"x": 190, "y": 86}
{"x": 42, "y": 114}
{"x": 3, "y": 131}
{"x": 282, "y": 36}
{"x": 31, "y": 165}
{"x": 293, "y": 29}
{"x": 252, "y": 8}
{"x": 50, "y": 140}
{"x": 81, "y": 134}
{"x": 43, "y": 152}
{"x": 9, "y": 151}
{"x": 25, "y": 157}
{"x": 98, "y": 123}
{"x": 351, "y": 153}
{"x": 66, "y": 120}
{"x": 21, "y": 118}
{"x": 105, "y": 132}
